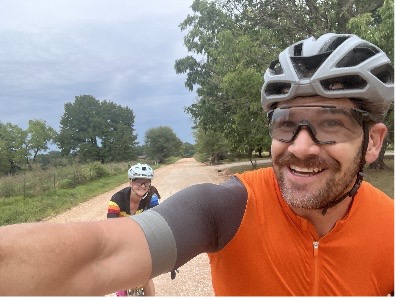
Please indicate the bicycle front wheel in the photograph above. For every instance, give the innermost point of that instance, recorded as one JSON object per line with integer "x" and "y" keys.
{"x": 136, "y": 292}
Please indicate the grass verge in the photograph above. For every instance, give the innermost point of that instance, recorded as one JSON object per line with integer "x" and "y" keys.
{"x": 17, "y": 209}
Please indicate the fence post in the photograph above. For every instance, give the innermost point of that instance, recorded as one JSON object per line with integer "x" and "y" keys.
{"x": 24, "y": 186}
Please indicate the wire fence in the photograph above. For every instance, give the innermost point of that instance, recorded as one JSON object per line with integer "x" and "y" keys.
{"x": 36, "y": 182}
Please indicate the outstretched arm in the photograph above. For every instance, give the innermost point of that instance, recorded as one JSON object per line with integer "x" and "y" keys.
{"x": 80, "y": 258}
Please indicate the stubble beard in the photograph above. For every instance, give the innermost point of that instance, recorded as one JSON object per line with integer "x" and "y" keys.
{"x": 301, "y": 196}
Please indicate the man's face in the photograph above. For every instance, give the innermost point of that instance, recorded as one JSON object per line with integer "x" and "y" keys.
{"x": 310, "y": 174}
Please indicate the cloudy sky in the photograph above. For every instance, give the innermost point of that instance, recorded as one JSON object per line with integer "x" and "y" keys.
{"x": 117, "y": 50}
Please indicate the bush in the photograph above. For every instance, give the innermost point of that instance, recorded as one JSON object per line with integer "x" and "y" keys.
{"x": 97, "y": 170}
{"x": 8, "y": 187}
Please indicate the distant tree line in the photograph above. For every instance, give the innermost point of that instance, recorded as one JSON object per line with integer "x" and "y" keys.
{"x": 232, "y": 42}
{"x": 90, "y": 130}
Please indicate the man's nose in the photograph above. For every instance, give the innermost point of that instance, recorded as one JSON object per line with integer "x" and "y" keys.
{"x": 303, "y": 144}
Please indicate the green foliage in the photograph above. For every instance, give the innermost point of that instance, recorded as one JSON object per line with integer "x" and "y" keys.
{"x": 188, "y": 150}
{"x": 40, "y": 135}
{"x": 53, "y": 159}
{"x": 210, "y": 145}
{"x": 377, "y": 27}
{"x": 18, "y": 209}
{"x": 231, "y": 43}
{"x": 37, "y": 194}
{"x": 13, "y": 151}
{"x": 37, "y": 182}
{"x": 97, "y": 170}
{"x": 97, "y": 131}
{"x": 229, "y": 79}
{"x": 162, "y": 143}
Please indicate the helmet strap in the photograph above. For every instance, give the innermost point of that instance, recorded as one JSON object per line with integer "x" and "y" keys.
{"x": 360, "y": 174}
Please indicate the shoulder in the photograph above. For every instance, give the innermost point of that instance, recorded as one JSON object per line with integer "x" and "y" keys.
{"x": 154, "y": 201}
{"x": 208, "y": 193}
{"x": 223, "y": 203}
{"x": 122, "y": 195}
{"x": 374, "y": 198}
{"x": 373, "y": 211}
{"x": 259, "y": 178}
{"x": 261, "y": 173}
{"x": 154, "y": 190}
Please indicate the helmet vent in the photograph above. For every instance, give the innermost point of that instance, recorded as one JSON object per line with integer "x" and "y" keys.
{"x": 298, "y": 49}
{"x": 305, "y": 67}
{"x": 344, "y": 83}
{"x": 275, "y": 67}
{"x": 357, "y": 55}
{"x": 384, "y": 73}
{"x": 334, "y": 43}
{"x": 278, "y": 88}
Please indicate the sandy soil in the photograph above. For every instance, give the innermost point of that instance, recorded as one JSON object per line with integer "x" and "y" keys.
{"x": 193, "y": 278}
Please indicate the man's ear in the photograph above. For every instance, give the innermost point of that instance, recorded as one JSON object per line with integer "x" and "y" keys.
{"x": 377, "y": 134}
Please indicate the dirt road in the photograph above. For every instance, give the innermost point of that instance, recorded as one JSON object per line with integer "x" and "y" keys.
{"x": 194, "y": 277}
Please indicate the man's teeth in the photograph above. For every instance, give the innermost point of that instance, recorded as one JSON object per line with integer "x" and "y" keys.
{"x": 305, "y": 170}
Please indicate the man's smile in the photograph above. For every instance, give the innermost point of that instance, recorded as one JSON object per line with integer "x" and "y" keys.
{"x": 305, "y": 171}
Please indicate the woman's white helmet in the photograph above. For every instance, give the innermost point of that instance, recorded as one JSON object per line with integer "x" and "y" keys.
{"x": 140, "y": 171}
{"x": 333, "y": 66}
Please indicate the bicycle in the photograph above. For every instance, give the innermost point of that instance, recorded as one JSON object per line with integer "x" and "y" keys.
{"x": 136, "y": 292}
{"x": 131, "y": 292}
{"x": 140, "y": 291}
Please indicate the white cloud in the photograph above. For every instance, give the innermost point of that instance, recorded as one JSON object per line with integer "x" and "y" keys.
{"x": 120, "y": 50}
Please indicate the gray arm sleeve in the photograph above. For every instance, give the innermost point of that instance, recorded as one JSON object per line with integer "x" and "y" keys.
{"x": 197, "y": 219}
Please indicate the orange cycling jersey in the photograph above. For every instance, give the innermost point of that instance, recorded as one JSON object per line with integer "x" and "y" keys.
{"x": 258, "y": 246}
{"x": 283, "y": 256}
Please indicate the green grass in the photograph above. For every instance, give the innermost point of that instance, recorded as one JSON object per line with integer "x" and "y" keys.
{"x": 382, "y": 179}
{"x": 17, "y": 209}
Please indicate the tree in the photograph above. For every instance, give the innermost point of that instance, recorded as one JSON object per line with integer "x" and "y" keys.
{"x": 97, "y": 131}
{"x": 162, "y": 143}
{"x": 228, "y": 79}
{"x": 378, "y": 28}
{"x": 233, "y": 41}
{"x": 39, "y": 137}
{"x": 80, "y": 128}
{"x": 118, "y": 138}
{"x": 188, "y": 150}
{"x": 51, "y": 158}
{"x": 211, "y": 144}
{"x": 13, "y": 149}
{"x": 294, "y": 20}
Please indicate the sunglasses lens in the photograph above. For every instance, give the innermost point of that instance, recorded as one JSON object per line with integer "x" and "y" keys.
{"x": 326, "y": 124}
{"x": 142, "y": 183}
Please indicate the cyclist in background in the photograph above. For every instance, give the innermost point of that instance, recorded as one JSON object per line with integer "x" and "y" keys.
{"x": 135, "y": 199}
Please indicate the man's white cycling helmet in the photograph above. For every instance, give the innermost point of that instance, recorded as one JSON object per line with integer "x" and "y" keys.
{"x": 333, "y": 66}
{"x": 140, "y": 171}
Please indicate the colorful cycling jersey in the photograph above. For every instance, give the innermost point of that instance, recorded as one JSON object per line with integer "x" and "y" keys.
{"x": 258, "y": 246}
{"x": 119, "y": 205}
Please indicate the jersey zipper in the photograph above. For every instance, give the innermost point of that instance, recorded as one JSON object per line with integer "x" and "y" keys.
{"x": 316, "y": 245}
